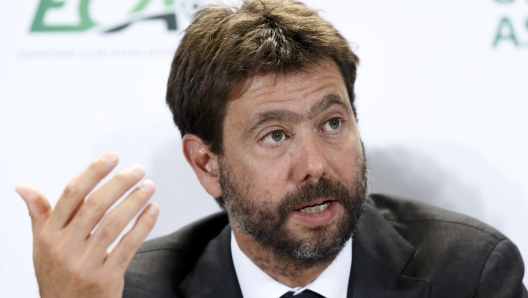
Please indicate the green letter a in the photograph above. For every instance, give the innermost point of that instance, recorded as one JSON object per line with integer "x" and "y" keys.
{"x": 509, "y": 35}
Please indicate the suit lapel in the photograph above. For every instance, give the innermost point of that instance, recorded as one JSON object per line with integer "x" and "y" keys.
{"x": 379, "y": 257}
{"x": 214, "y": 274}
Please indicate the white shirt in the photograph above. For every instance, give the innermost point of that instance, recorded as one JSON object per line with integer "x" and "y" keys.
{"x": 255, "y": 283}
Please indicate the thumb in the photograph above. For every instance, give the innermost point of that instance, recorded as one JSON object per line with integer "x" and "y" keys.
{"x": 38, "y": 206}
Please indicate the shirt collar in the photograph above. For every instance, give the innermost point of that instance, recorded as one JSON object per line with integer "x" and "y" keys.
{"x": 255, "y": 283}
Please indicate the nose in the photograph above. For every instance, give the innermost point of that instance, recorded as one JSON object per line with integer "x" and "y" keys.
{"x": 310, "y": 162}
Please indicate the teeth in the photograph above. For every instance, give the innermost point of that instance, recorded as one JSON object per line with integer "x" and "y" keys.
{"x": 316, "y": 208}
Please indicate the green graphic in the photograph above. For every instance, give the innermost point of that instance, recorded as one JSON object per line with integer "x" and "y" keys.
{"x": 505, "y": 33}
{"x": 86, "y": 22}
{"x": 45, "y": 5}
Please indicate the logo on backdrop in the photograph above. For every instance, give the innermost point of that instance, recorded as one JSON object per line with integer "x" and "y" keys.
{"x": 89, "y": 23}
{"x": 166, "y": 13}
{"x": 511, "y": 30}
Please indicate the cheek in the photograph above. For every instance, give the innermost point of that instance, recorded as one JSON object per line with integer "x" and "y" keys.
{"x": 346, "y": 161}
{"x": 266, "y": 179}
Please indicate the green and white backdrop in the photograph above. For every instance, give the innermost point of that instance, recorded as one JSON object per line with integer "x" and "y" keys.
{"x": 442, "y": 96}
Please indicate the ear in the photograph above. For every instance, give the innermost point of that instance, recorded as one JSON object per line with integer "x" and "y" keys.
{"x": 203, "y": 162}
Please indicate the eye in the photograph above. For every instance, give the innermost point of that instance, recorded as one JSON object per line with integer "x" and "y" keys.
{"x": 274, "y": 137}
{"x": 333, "y": 124}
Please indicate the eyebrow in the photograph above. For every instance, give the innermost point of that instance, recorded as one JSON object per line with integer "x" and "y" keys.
{"x": 327, "y": 101}
{"x": 289, "y": 116}
{"x": 271, "y": 115}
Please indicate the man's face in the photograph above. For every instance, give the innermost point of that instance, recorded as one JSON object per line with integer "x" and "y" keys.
{"x": 293, "y": 169}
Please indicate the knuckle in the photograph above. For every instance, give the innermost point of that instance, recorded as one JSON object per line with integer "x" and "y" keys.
{"x": 142, "y": 196}
{"x": 79, "y": 273}
{"x": 146, "y": 222}
{"x": 112, "y": 223}
{"x": 58, "y": 254}
{"x": 124, "y": 178}
{"x": 128, "y": 248}
{"x": 110, "y": 228}
{"x": 84, "y": 271}
{"x": 97, "y": 167}
{"x": 137, "y": 199}
{"x": 93, "y": 204}
{"x": 73, "y": 229}
{"x": 71, "y": 190}
{"x": 104, "y": 233}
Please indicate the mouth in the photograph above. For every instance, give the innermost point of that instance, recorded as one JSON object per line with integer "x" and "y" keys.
{"x": 315, "y": 206}
{"x": 319, "y": 212}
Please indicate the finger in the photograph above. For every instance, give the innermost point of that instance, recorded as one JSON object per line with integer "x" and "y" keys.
{"x": 130, "y": 243}
{"x": 38, "y": 206}
{"x": 80, "y": 187}
{"x": 117, "y": 219}
{"x": 94, "y": 208}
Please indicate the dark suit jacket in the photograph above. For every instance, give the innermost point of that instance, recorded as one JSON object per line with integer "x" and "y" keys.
{"x": 400, "y": 249}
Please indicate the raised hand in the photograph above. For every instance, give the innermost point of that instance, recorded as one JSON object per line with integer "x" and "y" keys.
{"x": 70, "y": 260}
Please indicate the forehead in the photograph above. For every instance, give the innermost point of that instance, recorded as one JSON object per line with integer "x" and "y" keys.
{"x": 294, "y": 89}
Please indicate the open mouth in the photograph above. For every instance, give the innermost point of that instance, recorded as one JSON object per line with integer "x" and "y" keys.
{"x": 318, "y": 212}
{"x": 315, "y": 206}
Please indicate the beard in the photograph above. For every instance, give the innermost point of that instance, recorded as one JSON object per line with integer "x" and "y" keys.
{"x": 265, "y": 221}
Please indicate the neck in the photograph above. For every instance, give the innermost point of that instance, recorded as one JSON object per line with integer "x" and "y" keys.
{"x": 283, "y": 269}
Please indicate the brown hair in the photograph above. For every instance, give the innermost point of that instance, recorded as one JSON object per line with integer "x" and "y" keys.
{"x": 224, "y": 45}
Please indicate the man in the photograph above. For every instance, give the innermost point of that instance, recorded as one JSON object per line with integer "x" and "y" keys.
{"x": 264, "y": 99}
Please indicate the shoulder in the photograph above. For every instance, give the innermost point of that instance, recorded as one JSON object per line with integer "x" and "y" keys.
{"x": 452, "y": 250}
{"x": 161, "y": 264}
{"x": 438, "y": 234}
{"x": 416, "y": 215}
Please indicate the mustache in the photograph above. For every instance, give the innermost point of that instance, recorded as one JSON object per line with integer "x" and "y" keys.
{"x": 322, "y": 188}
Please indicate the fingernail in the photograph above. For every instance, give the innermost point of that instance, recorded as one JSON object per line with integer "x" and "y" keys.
{"x": 147, "y": 186}
{"x": 25, "y": 193}
{"x": 137, "y": 170}
{"x": 153, "y": 209}
{"x": 109, "y": 157}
